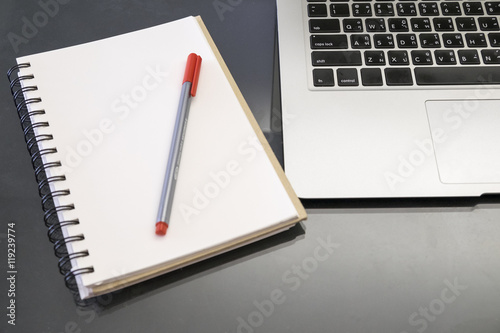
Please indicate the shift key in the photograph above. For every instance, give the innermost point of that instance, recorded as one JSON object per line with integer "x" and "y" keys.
{"x": 336, "y": 58}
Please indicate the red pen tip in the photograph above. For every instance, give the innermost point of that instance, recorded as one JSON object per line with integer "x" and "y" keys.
{"x": 161, "y": 228}
{"x": 192, "y": 72}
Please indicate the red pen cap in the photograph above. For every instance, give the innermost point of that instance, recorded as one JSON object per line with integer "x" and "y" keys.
{"x": 192, "y": 72}
{"x": 161, "y": 228}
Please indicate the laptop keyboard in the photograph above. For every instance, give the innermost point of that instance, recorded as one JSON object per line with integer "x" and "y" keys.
{"x": 363, "y": 43}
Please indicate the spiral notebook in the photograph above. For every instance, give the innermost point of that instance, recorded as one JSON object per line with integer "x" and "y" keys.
{"x": 98, "y": 118}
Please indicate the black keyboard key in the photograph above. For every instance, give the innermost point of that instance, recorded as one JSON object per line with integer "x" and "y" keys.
{"x": 450, "y": 8}
{"x": 329, "y": 42}
{"x": 323, "y": 77}
{"x": 420, "y": 24}
{"x": 420, "y": 58}
{"x": 472, "y": 8}
{"x": 384, "y": 9}
{"x": 336, "y": 58}
{"x": 398, "y": 24}
{"x": 317, "y": 10}
{"x": 375, "y": 25}
{"x": 466, "y": 24}
{"x": 327, "y": 25}
{"x": 452, "y": 40}
{"x": 429, "y": 40}
{"x": 493, "y": 7}
{"x": 457, "y": 76}
{"x": 362, "y": 9}
{"x": 443, "y": 24}
{"x": 445, "y": 57}
{"x": 383, "y": 41}
{"x": 488, "y": 23}
{"x": 428, "y": 8}
{"x": 339, "y": 10}
{"x": 398, "y": 58}
{"x": 494, "y": 38}
{"x": 371, "y": 77}
{"x": 475, "y": 39}
{"x": 347, "y": 77}
{"x": 491, "y": 56}
{"x": 352, "y": 25}
{"x": 360, "y": 41}
{"x": 406, "y": 9}
{"x": 407, "y": 41}
{"x": 468, "y": 57}
{"x": 398, "y": 77}
{"x": 374, "y": 58}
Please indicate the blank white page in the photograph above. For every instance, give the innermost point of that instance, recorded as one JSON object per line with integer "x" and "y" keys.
{"x": 111, "y": 106}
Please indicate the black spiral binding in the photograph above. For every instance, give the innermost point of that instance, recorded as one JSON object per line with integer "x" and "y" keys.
{"x": 19, "y": 85}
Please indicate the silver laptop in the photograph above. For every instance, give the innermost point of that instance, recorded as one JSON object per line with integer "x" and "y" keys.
{"x": 390, "y": 98}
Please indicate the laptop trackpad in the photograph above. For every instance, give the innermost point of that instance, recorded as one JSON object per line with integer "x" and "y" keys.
{"x": 466, "y": 137}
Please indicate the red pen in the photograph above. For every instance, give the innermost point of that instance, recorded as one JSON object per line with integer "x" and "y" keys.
{"x": 189, "y": 86}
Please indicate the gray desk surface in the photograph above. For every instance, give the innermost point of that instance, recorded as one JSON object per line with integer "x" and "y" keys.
{"x": 364, "y": 266}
